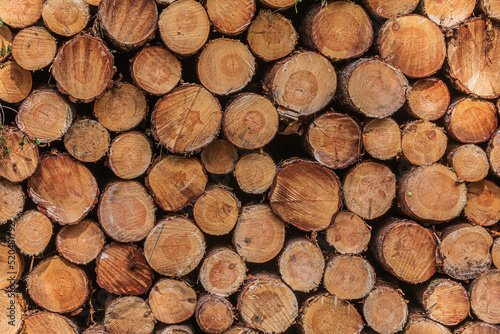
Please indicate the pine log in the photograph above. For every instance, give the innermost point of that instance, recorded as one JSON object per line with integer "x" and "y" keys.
{"x": 406, "y": 250}
{"x": 349, "y": 234}
{"x": 11, "y": 200}
{"x": 335, "y": 140}
{"x": 11, "y": 265}
{"x": 301, "y": 265}
{"x": 65, "y": 17}
{"x": 305, "y": 194}
{"x": 83, "y": 68}
{"x": 225, "y": 65}
{"x": 255, "y": 172}
{"x": 387, "y": 9}
{"x": 469, "y": 161}
{"x": 174, "y": 247}
{"x": 271, "y": 36}
{"x": 323, "y": 313}
{"x": 15, "y": 82}
{"x": 87, "y": 140}
{"x": 240, "y": 330}
{"x": 98, "y": 328}
{"x": 128, "y": 23}
{"x": 450, "y": 13}
{"x": 484, "y": 294}
{"x": 45, "y": 115}
{"x": 369, "y": 189}
{"x": 6, "y": 39}
{"x": 80, "y": 243}
{"x": 382, "y": 138}
{"x": 172, "y": 301}
{"x": 219, "y": 157}
{"x": 19, "y": 156}
{"x": 349, "y": 277}
{"x": 129, "y": 315}
{"x": 477, "y": 327}
{"x": 423, "y": 143}
{"x": 93, "y": 2}
{"x": 483, "y": 203}
{"x": 267, "y": 304}
{"x": 130, "y": 155}
{"x": 491, "y": 8}
{"x": 428, "y": 99}
{"x": 32, "y": 232}
{"x": 20, "y": 13}
{"x": 250, "y": 121}
{"x": 12, "y": 306}
{"x": 495, "y": 253}
{"x": 216, "y": 211}
{"x": 184, "y": 27}
{"x": 278, "y": 4}
{"x": 231, "y": 17}
{"x": 418, "y": 323}
{"x": 176, "y": 329}
{"x": 493, "y": 153}
{"x": 304, "y": 82}
{"x": 431, "y": 193}
{"x": 48, "y": 323}
{"x": 222, "y": 271}
{"x": 413, "y": 44}
{"x": 58, "y": 285}
{"x": 187, "y": 119}
{"x": 175, "y": 181}
{"x": 259, "y": 234}
{"x": 214, "y": 314}
{"x": 34, "y": 48}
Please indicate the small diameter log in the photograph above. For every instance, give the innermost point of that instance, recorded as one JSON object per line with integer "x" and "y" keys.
{"x": 128, "y": 24}
{"x": 428, "y": 99}
{"x": 464, "y": 252}
{"x": 423, "y": 142}
{"x": 385, "y": 309}
{"x": 278, "y": 4}
{"x": 80, "y": 243}
{"x": 304, "y": 82}
{"x": 172, "y": 301}
{"x": 470, "y": 162}
{"x": 6, "y": 39}
{"x": 305, "y": 194}
{"x": 444, "y": 301}
{"x": 387, "y": 9}
{"x": 58, "y": 285}
{"x": 372, "y": 87}
{"x": 418, "y": 324}
{"x": 11, "y": 265}
{"x": 93, "y": 2}
{"x": 32, "y": 232}
{"x": 448, "y": 14}
{"x": 484, "y": 293}
{"x": 214, "y": 314}
{"x": 19, "y": 156}
{"x": 241, "y": 14}
{"x": 87, "y": 140}
{"x": 225, "y": 65}
{"x": 15, "y": 82}
{"x": 176, "y": 329}
{"x": 406, "y": 250}
{"x": 98, "y": 328}
{"x": 184, "y": 27}
{"x": 129, "y": 315}
{"x": 483, "y": 203}
{"x": 431, "y": 193}
{"x": 491, "y": 8}
{"x": 175, "y": 181}
{"x": 335, "y": 140}
{"x": 126, "y": 211}
{"x": 382, "y": 138}
{"x": 349, "y": 277}
{"x": 12, "y": 306}
{"x": 470, "y": 52}
{"x": 271, "y": 36}
{"x": 495, "y": 253}
{"x": 250, "y": 121}
{"x": 65, "y": 17}
{"x": 369, "y": 189}
{"x": 34, "y": 48}
{"x": 222, "y": 272}
{"x": 255, "y": 172}
{"x": 493, "y": 153}
{"x": 156, "y": 70}
{"x": 216, "y": 211}
{"x": 174, "y": 247}
{"x": 83, "y": 68}
{"x": 349, "y": 234}
{"x": 267, "y": 304}
{"x": 130, "y": 155}
{"x": 240, "y": 330}
{"x": 477, "y": 327}
{"x": 47, "y": 322}
{"x": 259, "y": 234}
{"x": 11, "y": 200}
{"x": 301, "y": 265}
{"x": 187, "y": 119}
{"x": 413, "y": 44}
{"x": 219, "y": 157}
{"x": 22, "y": 13}
{"x": 324, "y": 313}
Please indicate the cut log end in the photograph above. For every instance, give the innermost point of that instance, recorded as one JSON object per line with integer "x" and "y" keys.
{"x": 219, "y": 157}
{"x": 11, "y": 200}
{"x": 449, "y": 14}
{"x": 172, "y": 301}
{"x": 46, "y": 322}
{"x": 470, "y": 162}
{"x": 418, "y": 323}
{"x": 32, "y": 232}
{"x": 387, "y": 9}
{"x": 216, "y": 211}
{"x": 428, "y": 99}
{"x": 75, "y": 18}
{"x": 11, "y": 265}
{"x": 130, "y": 155}
{"x": 242, "y": 12}
{"x": 423, "y": 143}
{"x": 382, "y": 138}
{"x": 16, "y": 82}
{"x": 34, "y": 48}
{"x": 348, "y": 234}
{"x": 349, "y": 277}
{"x": 484, "y": 292}
{"x": 87, "y": 140}
{"x": 19, "y": 156}
{"x": 20, "y": 14}
{"x": 214, "y": 314}
{"x": 129, "y": 314}
{"x": 80, "y": 243}
{"x": 255, "y": 172}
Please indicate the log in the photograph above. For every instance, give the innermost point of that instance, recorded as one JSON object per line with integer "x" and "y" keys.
{"x": 483, "y": 203}
{"x": 418, "y": 323}
{"x": 32, "y": 232}
{"x": 495, "y": 252}
{"x": 174, "y": 247}
{"x": 80, "y": 243}
{"x": 493, "y": 153}
{"x": 491, "y": 8}
{"x": 413, "y": 44}
{"x": 20, "y": 14}
{"x": 184, "y": 27}
{"x": 387, "y": 9}
{"x": 219, "y": 157}
{"x": 16, "y": 82}
{"x": 11, "y": 200}
{"x": 271, "y": 36}
{"x": 349, "y": 234}
{"x": 225, "y": 65}
{"x": 214, "y": 314}
{"x": 242, "y": 12}
{"x": 450, "y": 13}
{"x": 12, "y": 304}
{"x": 259, "y": 234}
{"x": 240, "y": 330}
{"x": 301, "y": 265}
{"x": 130, "y": 155}
{"x": 63, "y": 188}
{"x": 98, "y": 328}
{"x": 349, "y": 277}
{"x": 34, "y": 48}
{"x": 19, "y": 156}
{"x": 6, "y": 39}
{"x": 93, "y": 2}
{"x": 484, "y": 292}
{"x": 428, "y": 99}
{"x": 12, "y": 265}
{"x": 87, "y": 140}
{"x": 129, "y": 314}
{"x": 382, "y": 138}
{"x": 423, "y": 143}
{"x": 469, "y": 161}
{"x": 47, "y": 322}
{"x": 255, "y": 172}
{"x": 172, "y": 301}
{"x": 477, "y": 327}
{"x": 176, "y": 329}
{"x": 65, "y": 17}
{"x": 278, "y": 4}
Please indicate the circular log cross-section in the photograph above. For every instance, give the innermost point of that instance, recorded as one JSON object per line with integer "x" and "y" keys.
{"x": 493, "y": 153}
{"x": 11, "y": 200}
{"x": 176, "y": 329}
{"x": 172, "y": 301}
{"x": 417, "y": 323}
{"x": 20, "y": 13}
{"x": 470, "y": 162}
{"x": 32, "y": 232}
{"x": 16, "y": 82}
{"x": 305, "y": 194}
{"x": 387, "y": 9}
{"x": 87, "y": 140}
{"x": 483, "y": 203}
{"x": 11, "y": 265}
{"x": 80, "y": 243}
{"x": 216, "y": 211}
{"x": 65, "y": 17}
{"x": 477, "y": 327}
{"x": 382, "y": 138}
{"x": 278, "y": 5}
{"x": 129, "y": 314}
{"x": 13, "y": 319}
{"x": 423, "y": 143}
{"x": 349, "y": 277}
{"x": 130, "y": 155}
{"x": 484, "y": 293}
{"x": 58, "y": 285}
{"x": 47, "y": 322}
{"x": 448, "y": 13}
{"x": 255, "y": 172}
{"x": 19, "y": 155}
{"x": 428, "y": 99}
{"x": 413, "y": 44}
{"x": 214, "y": 314}
{"x": 63, "y": 188}
{"x": 349, "y": 234}
{"x": 219, "y": 157}
{"x": 242, "y": 12}
{"x": 83, "y": 68}
{"x": 34, "y": 48}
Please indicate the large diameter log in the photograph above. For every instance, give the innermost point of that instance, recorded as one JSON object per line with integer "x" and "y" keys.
{"x": 63, "y": 188}
{"x": 12, "y": 317}
{"x": 477, "y": 327}
{"x": 483, "y": 203}
{"x": 16, "y": 82}
{"x": 216, "y": 211}
{"x": 305, "y": 194}
{"x": 20, "y": 14}
{"x": 11, "y": 200}
{"x": 32, "y": 232}
{"x": 428, "y": 99}
{"x": 34, "y": 48}
{"x": 349, "y": 277}
{"x": 172, "y": 301}
{"x": 80, "y": 243}
{"x": 241, "y": 14}
{"x": 382, "y": 138}
{"x": 83, "y": 68}
{"x": 448, "y": 13}
{"x": 255, "y": 172}
{"x": 214, "y": 314}
{"x": 484, "y": 293}
{"x": 418, "y": 323}
{"x": 129, "y": 315}
{"x": 11, "y": 265}
{"x": 387, "y": 9}
{"x": 19, "y": 155}
{"x": 349, "y": 234}
{"x": 469, "y": 161}
{"x": 413, "y": 44}
{"x": 47, "y": 322}
{"x": 87, "y": 140}
{"x": 219, "y": 157}
{"x": 423, "y": 143}
{"x": 130, "y": 155}
{"x": 65, "y": 17}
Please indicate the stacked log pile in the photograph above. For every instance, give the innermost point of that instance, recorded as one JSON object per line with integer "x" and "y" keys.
{"x": 242, "y": 166}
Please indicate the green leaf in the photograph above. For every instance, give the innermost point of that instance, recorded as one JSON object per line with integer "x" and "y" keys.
{"x": 37, "y": 142}
{"x": 21, "y": 143}
{"x": 9, "y": 50}
{"x": 1, "y": 22}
